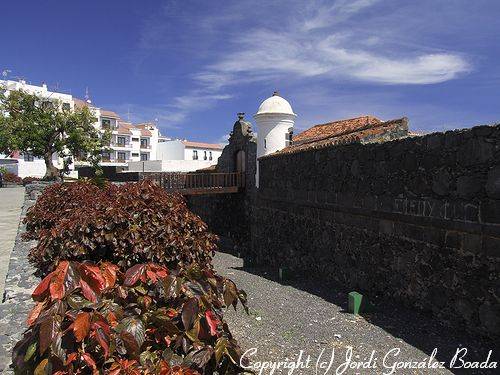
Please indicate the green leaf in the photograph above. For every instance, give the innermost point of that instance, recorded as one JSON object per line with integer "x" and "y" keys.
{"x": 30, "y": 351}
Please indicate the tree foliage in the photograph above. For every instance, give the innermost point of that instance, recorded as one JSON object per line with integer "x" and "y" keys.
{"x": 44, "y": 127}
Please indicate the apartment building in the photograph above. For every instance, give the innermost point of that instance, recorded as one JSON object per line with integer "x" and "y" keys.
{"x": 133, "y": 146}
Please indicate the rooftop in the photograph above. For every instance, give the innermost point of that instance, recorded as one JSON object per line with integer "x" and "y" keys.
{"x": 210, "y": 146}
{"x": 359, "y": 129}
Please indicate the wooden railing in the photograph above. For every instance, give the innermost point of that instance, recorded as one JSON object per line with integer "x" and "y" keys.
{"x": 199, "y": 183}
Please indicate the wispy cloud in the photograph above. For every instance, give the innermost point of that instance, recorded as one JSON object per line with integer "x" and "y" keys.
{"x": 319, "y": 40}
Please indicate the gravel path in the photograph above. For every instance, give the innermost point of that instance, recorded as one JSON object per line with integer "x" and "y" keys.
{"x": 17, "y": 303}
{"x": 11, "y": 202}
{"x": 286, "y": 319}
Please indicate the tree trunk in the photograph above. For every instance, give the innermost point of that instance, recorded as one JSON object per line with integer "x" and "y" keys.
{"x": 52, "y": 172}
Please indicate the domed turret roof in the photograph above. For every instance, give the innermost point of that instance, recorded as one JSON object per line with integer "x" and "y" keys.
{"x": 275, "y": 104}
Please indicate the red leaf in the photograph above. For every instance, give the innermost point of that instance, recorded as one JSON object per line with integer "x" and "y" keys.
{"x": 81, "y": 326}
{"x": 109, "y": 273}
{"x": 87, "y": 291}
{"x": 189, "y": 312}
{"x": 213, "y": 322}
{"x": 35, "y": 312}
{"x": 93, "y": 277}
{"x": 71, "y": 358}
{"x": 151, "y": 276}
{"x": 42, "y": 288}
{"x": 89, "y": 360}
{"x": 133, "y": 274}
{"x": 57, "y": 282}
{"x": 102, "y": 339}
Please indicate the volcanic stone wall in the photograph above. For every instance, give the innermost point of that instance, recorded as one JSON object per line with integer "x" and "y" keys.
{"x": 416, "y": 219}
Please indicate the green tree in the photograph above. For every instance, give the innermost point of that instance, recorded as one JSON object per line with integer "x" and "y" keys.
{"x": 43, "y": 127}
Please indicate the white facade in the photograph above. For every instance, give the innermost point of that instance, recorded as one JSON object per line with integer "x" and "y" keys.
{"x": 178, "y": 155}
{"x": 275, "y": 120}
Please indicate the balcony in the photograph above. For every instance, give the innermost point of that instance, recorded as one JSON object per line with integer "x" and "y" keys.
{"x": 145, "y": 147}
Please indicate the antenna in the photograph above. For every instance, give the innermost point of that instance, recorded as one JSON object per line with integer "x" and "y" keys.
{"x": 128, "y": 113}
{"x": 87, "y": 96}
{"x": 5, "y": 73}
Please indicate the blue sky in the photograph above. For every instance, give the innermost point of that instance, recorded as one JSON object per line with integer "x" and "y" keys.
{"x": 194, "y": 64}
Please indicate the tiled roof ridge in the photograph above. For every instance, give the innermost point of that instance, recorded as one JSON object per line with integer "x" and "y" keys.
{"x": 369, "y": 125}
{"x": 332, "y": 140}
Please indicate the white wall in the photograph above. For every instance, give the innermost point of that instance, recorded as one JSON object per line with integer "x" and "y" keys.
{"x": 272, "y": 129}
{"x": 170, "y": 150}
{"x": 168, "y": 165}
{"x": 188, "y": 154}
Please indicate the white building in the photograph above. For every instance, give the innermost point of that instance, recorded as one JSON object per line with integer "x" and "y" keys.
{"x": 275, "y": 120}
{"x": 175, "y": 155}
{"x": 138, "y": 146}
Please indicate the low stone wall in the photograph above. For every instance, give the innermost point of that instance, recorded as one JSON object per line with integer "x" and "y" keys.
{"x": 19, "y": 284}
{"x": 416, "y": 219}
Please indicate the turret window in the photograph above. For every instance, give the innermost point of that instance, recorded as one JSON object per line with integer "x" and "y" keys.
{"x": 288, "y": 137}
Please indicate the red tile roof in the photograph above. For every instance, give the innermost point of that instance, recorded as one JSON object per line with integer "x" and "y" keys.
{"x": 210, "y": 146}
{"x": 79, "y": 103}
{"x": 124, "y": 127}
{"x": 335, "y": 128}
{"x": 108, "y": 113}
{"x": 359, "y": 129}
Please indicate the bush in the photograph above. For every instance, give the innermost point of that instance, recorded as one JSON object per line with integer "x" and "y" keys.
{"x": 12, "y": 178}
{"x": 91, "y": 319}
{"x": 128, "y": 224}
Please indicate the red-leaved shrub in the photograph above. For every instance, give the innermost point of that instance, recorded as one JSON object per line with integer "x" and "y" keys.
{"x": 129, "y": 224}
{"x": 93, "y": 319}
{"x": 12, "y": 178}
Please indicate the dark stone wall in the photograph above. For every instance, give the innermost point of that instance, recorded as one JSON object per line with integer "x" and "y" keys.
{"x": 416, "y": 219}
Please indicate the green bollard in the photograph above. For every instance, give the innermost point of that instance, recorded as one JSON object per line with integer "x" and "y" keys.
{"x": 355, "y": 301}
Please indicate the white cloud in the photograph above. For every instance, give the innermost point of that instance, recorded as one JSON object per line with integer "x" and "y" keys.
{"x": 320, "y": 40}
{"x": 339, "y": 11}
{"x": 267, "y": 55}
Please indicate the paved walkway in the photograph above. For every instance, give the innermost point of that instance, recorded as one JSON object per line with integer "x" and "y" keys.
{"x": 285, "y": 319}
{"x": 11, "y": 202}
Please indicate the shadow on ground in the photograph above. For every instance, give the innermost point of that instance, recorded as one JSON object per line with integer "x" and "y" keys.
{"x": 418, "y": 329}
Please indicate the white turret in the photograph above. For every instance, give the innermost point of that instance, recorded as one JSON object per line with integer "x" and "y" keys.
{"x": 275, "y": 120}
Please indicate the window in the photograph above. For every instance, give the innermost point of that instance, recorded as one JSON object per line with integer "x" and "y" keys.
{"x": 205, "y": 155}
{"x": 47, "y": 104}
{"x": 144, "y": 157}
{"x": 144, "y": 143}
{"x": 28, "y": 156}
{"x": 106, "y": 156}
{"x": 66, "y": 106}
{"x": 135, "y": 154}
{"x": 195, "y": 155}
{"x": 106, "y": 123}
{"x": 122, "y": 155}
{"x": 120, "y": 141}
{"x": 288, "y": 137}
{"x": 209, "y": 155}
{"x": 135, "y": 139}
{"x": 265, "y": 144}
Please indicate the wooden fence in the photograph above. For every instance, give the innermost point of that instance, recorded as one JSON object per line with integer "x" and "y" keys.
{"x": 199, "y": 183}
